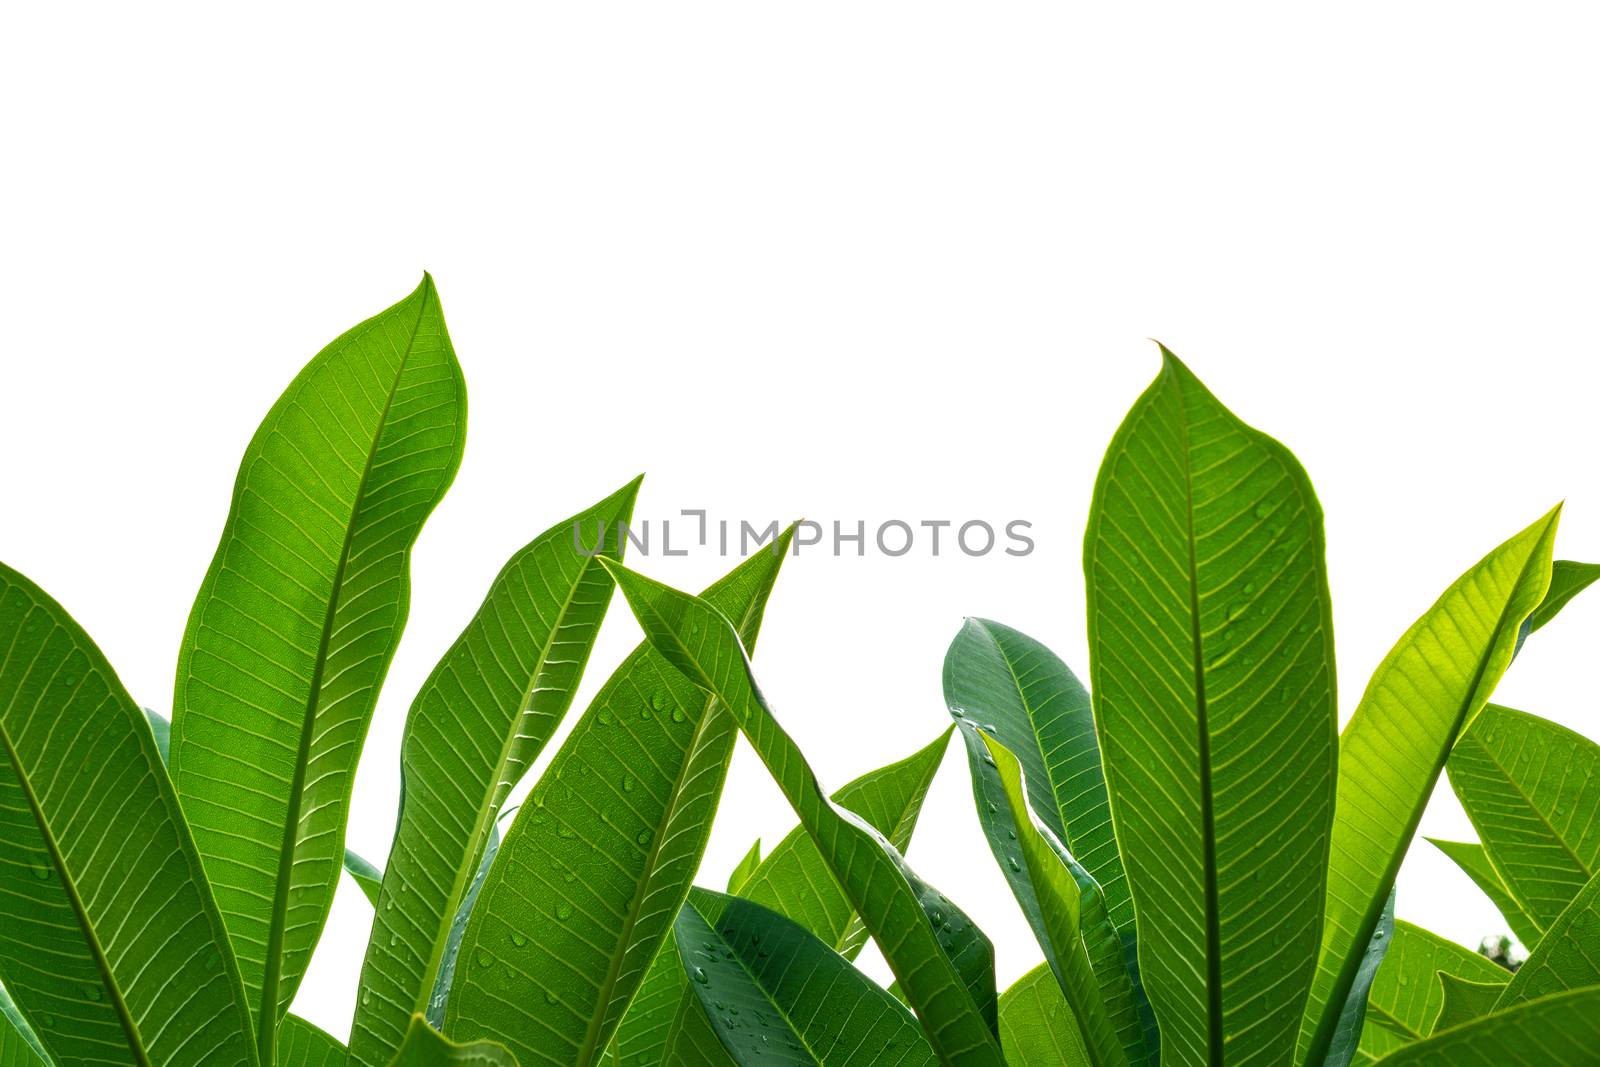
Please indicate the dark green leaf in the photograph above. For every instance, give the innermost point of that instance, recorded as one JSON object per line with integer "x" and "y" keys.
{"x": 776, "y": 995}
{"x": 366, "y": 876}
{"x": 302, "y": 1045}
{"x": 1022, "y": 694}
{"x": 1347, "y": 1038}
{"x": 426, "y": 1047}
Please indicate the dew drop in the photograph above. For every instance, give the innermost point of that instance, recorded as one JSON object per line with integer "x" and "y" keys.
{"x": 551, "y": 998}
{"x": 658, "y": 701}
{"x": 567, "y": 832}
{"x": 519, "y": 940}
{"x": 1262, "y": 510}
{"x": 41, "y": 872}
{"x": 563, "y": 912}
{"x": 644, "y": 837}
{"x": 627, "y": 784}
{"x": 366, "y": 996}
{"x": 700, "y": 975}
{"x": 678, "y": 715}
{"x": 484, "y": 959}
{"x": 1015, "y": 864}
{"x": 606, "y": 718}
{"x": 92, "y": 992}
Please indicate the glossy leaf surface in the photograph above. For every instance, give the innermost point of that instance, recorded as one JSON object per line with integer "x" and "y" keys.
{"x": 601, "y": 855}
{"x": 946, "y": 970}
{"x": 1022, "y": 694}
{"x": 1211, "y": 653}
{"x": 479, "y": 721}
{"x": 108, "y": 932}
{"x": 1532, "y": 791}
{"x": 1345, "y": 1047}
{"x": 1437, "y": 676}
{"x": 19, "y": 1047}
{"x": 295, "y": 624}
{"x": 776, "y": 995}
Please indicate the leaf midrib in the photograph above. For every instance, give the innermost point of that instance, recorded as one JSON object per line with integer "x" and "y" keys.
{"x": 1322, "y": 1038}
{"x": 1527, "y": 799}
{"x": 266, "y": 1023}
{"x": 130, "y": 1028}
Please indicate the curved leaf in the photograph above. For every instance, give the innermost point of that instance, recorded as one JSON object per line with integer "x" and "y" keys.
{"x": 1464, "y": 1000}
{"x": 1036, "y": 1025}
{"x": 945, "y": 970}
{"x": 1211, "y": 648}
{"x": 366, "y": 876}
{"x": 1429, "y": 686}
{"x": 795, "y": 882}
{"x": 1346, "y": 1045}
{"x": 19, "y": 1047}
{"x": 1559, "y": 1031}
{"x": 426, "y": 1047}
{"x": 445, "y": 980}
{"x": 109, "y": 936}
{"x": 1406, "y": 996}
{"x": 1026, "y": 697}
{"x": 302, "y": 1045}
{"x": 296, "y": 622}
{"x": 602, "y": 854}
{"x": 1567, "y": 958}
{"x": 479, "y": 721}
{"x": 1063, "y": 905}
{"x": 776, "y": 995}
{"x": 1474, "y": 861}
{"x": 1531, "y": 791}
{"x": 794, "y": 879}
{"x": 1567, "y": 580}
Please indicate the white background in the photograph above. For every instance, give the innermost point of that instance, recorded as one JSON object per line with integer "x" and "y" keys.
{"x": 837, "y": 260}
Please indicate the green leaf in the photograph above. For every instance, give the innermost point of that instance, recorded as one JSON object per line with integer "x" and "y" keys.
{"x": 1559, "y": 1031}
{"x": 426, "y": 1047}
{"x": 1211, "y": 648}
{"x": 777, "y": 995}
{"x": 946, "y": 971}
{"x": 162, "y": 729}
{"x": 602, "y": 854}
{"x": 1036, "y": 1025}
{"x": 108, "y": 933}
{"x": 1531, "y": 791}
{"x": 445, "y": 980}
{"x": 1465, "y": 1000}
{"x": 1429, "y": 686}
{"x": 1063, "y": 905}
{"x": 1473, "y": 859}
{"x": 1567, "y": 957}
{"x": 302, "y": 1045}
{"x": 1567, "y": 580}
{"x": 664, "y": 1023}
{"x": 1346, "y": 1045}
{"x": 366, "y": 876}
{"x": 296, "y": 622}
{"x": 1406, "y": 996}
{"x": 479, "y": 721}
{"x": 1024, "y": 695}
{"x": 19, "y": 1046}
{"x": 745, "y": 868}
{"x": 795, "y": 881}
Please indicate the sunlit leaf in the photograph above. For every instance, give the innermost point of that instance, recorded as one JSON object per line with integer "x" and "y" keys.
{"x": 479, "y": 721}
{"x": 366, "y": 876}
{"x": 1211, "y": 654}
{"x": 109, "y": 936}
{"x": 1036, "y": 1024}
{"x": 1474, "y": 861}
{"x": 1437, "y": 676}
{"x": 295, "y": 625}
{"x": 1406, "y": 996}
{"x": 1567, "y": 580}
{"x": 1465, "y": 1000}
{"x": 302, "y": 1045}
{"x": 1567, "y": 958}
{"x": 1558, "y": 1031}
{"x": 745, "y": 867}
{"x": 1531, "y": 789}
